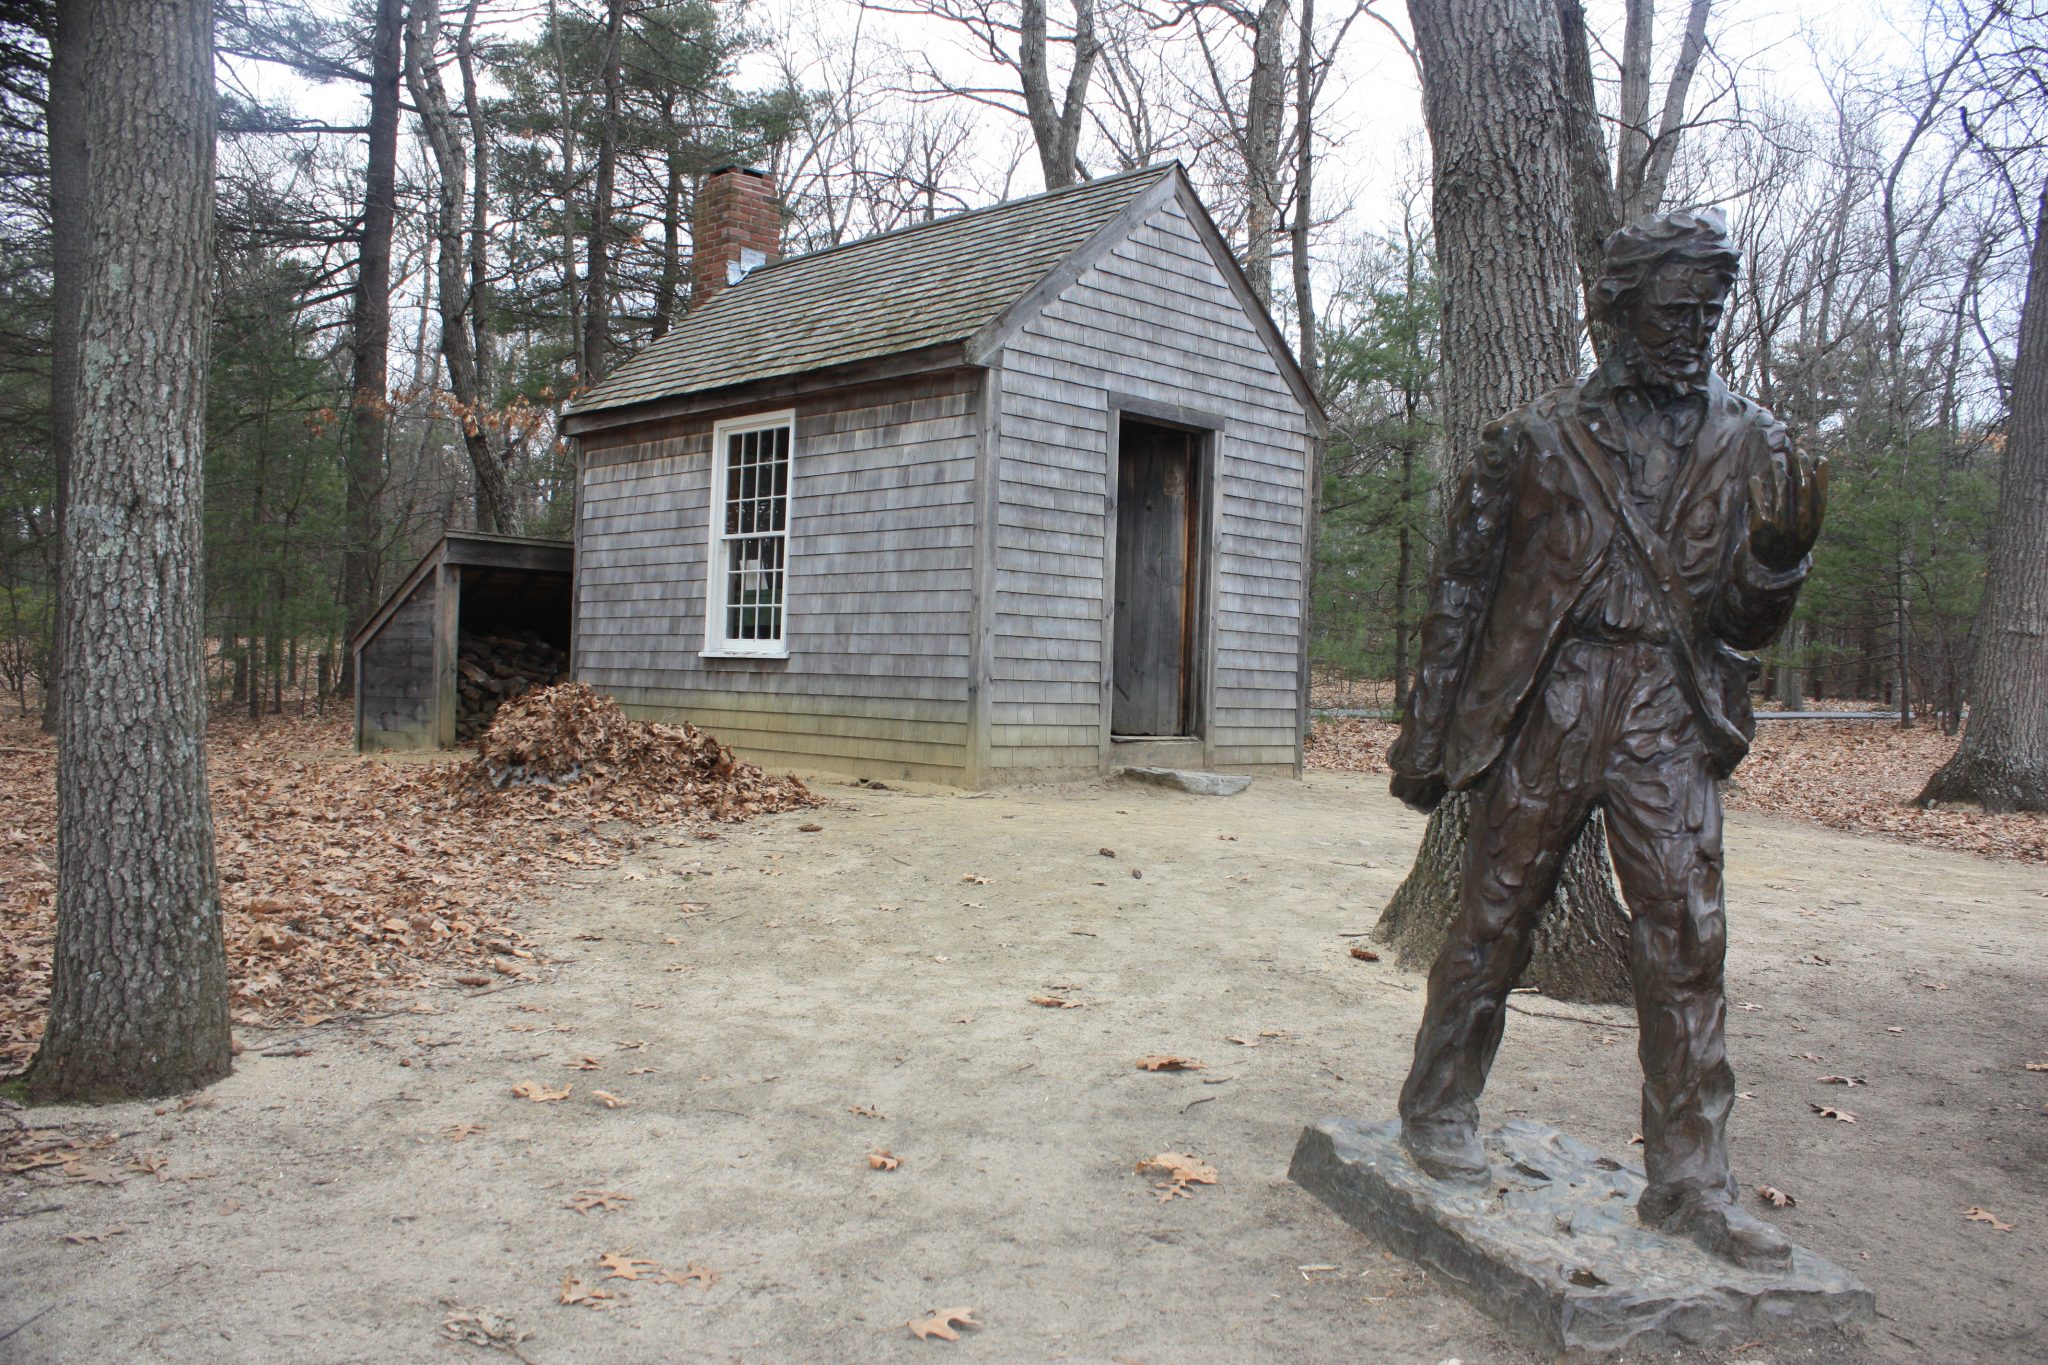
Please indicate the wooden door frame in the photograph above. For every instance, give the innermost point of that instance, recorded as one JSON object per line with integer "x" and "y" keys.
{"x": 1205, "y": 479}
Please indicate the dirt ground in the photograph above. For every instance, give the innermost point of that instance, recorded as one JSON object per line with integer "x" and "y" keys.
{"x": 360, "y": 1191}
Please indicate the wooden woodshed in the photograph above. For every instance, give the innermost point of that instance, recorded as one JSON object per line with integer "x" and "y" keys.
{"x": 469, "y": 591}
{"x": 1014, "y": 494}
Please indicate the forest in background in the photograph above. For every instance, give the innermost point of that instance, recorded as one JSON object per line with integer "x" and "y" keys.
{"x": 542, "y": 160}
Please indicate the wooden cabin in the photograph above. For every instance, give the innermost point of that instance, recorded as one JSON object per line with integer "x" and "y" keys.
{"x": 1011, "y": 495}
{"x": 432, "y": 660}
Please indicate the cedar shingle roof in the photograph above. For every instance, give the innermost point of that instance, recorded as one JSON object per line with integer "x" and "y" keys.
{"x": 919, "y": 286}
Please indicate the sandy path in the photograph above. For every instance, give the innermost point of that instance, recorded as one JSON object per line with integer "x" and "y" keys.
{"x": 338, "y": 1221}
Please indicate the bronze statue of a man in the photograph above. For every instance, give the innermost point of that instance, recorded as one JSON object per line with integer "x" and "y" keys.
{"x": 1610, "y": 548}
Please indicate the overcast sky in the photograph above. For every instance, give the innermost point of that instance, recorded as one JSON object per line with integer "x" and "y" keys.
{"x": 1372, "y": 120}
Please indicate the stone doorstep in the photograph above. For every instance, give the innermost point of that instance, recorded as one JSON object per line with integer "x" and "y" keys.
{"x": 1552, "y": 1247}
{"x": 1189, "y": 780}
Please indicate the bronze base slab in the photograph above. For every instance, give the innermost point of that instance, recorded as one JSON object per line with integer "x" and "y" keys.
{"x": 1552, "y": 1248}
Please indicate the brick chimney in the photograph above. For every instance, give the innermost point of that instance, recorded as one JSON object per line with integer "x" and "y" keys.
{"x": 738, "y": 228}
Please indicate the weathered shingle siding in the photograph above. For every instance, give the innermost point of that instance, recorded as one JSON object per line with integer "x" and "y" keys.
{"x": 880, "y": 581}
{"x": 1154, "y": 319}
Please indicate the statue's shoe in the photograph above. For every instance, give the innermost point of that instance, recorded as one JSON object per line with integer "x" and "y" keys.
{"x": 1447, "y": 1149}
{"x": 1716, "y": 1224}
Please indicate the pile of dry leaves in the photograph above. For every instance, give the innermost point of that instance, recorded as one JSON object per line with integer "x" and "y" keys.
{"x": 1859, "y": 776}
{"x": 570, "y": 738}
{"x": 345, "y": 879}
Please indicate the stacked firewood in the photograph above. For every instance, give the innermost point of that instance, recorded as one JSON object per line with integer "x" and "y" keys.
{"x": 492, "y": 669}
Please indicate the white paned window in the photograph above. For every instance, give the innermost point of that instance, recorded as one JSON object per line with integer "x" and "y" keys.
{"x": 746, "y": 608}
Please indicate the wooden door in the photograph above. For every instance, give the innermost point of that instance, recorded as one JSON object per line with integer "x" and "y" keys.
{"x": 1153, "y": 663}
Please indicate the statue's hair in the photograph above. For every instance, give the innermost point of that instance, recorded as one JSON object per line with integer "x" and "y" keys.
{"x": 1695, "y": 237}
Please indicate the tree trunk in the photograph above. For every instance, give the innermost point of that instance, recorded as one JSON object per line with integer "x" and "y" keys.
{"x": 1603, "y": 201}
{"x": 1265, "y": 109}
{"x": 139, "y": 988}
{"x": 430, "y": 97}
{"x": 2002, "y": 763}
{"x": 483, "y": 341}
{"x": 1581, "y": 943}
{"x": 597, "y": 276}
{"x": 69, "y": 175}
{"x": 1632, "y": 140}
{"x": 1492, "y": 72}
{"x": 1404, "y": 574}
{"x": 370, "y": 334}
{"x": 669, "y": 285}
{"x": 1304, "y": 173}
{"x": 1055, "y": 121}
{"x": 1594, "y": 211}
{"x": 572, "y": 292}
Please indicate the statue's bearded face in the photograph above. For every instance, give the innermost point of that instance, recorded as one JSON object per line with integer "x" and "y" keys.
{"x": 1669, "y": 325}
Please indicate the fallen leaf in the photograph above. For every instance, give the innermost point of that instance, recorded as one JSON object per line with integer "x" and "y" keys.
{"x": 81, "y": 1238}
{"x": 1107, "y": 852}
{"x": 1973, "y": 1213}
{"x": 540, "y": 1094}
{"x": 585, "y": 1064}
{"x": 1839, "y": 1115}
{"x": 1242, "y": 1042}
{"x": 577, "y": 1295}
{"x": 2037, "y": 1066}
{"x": 1843, "y": 1080}
{"x": 1181, "y": 1170}
{"x": 471, "y": 979}
{"x": 1053, "y": 1002}
{"x": 941, "y": 1324}
{"x": 809, "y": 829}
{"x": 608, "y": 1099}
{"x": 977, "y": 881}
{"x": 483, "y": 1329}
{"x": 604, "y": 1201}
{"x": 619, "y": 1265}
{"x": 151, "y": 1163}
{"x": 464, "y": 1130}
{"x": 881, "y": 1160}
{"x": 1776, "y": 1197}
{"x": 697, "y": 1274}
{"x": 866, "y": 1111}
{"x": 1365, "y": 955}
{"x": 1161, "y": 1062}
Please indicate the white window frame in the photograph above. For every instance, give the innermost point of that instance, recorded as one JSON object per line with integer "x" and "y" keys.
{"x": 717, "y": 645}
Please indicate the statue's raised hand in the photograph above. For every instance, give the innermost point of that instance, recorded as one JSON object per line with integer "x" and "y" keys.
{"x": 1785, "y": 516}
